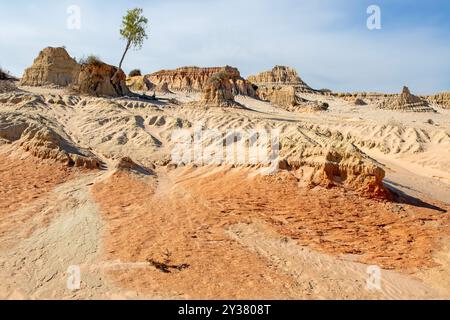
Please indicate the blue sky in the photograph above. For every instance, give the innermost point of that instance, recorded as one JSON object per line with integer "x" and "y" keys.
{"x": 326, "y": 41}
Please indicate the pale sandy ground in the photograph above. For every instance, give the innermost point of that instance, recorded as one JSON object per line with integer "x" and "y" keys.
{"x": 239, "y": 235}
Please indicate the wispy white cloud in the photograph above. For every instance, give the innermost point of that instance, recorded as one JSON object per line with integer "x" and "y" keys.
{"x": 327, "y": 41}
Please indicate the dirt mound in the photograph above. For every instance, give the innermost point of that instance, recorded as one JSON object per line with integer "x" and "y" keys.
{"x": 195, "y": 79}
{"x": 53, "y": 66}
{"x": 101, "y": 79}
{"x": 406, "y": 102}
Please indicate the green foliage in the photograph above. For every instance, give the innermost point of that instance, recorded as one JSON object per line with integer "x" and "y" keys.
{"x": 133, "y": 28}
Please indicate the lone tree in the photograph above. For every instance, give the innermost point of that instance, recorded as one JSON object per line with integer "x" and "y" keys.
{"x": 133, "y": 30}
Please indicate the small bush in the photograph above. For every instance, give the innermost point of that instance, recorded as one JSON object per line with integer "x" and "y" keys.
{"x": 3, "y": 74}
{"x": 135, "y": 73}
{"x": 219, "y": 77}
{"x": 324, "y": 106}
{"x": 91, "y": 60}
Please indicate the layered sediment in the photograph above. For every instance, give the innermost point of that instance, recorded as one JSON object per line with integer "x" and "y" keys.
{"x": 53, "y": 66}
{"x": 195, "y": 79}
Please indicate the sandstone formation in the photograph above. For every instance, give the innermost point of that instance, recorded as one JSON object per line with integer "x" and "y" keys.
{"x": 218, "y": 91}
{"x": 406, "y": 102}
{"x": 195, "y": 79}
{"x": 441, "y": 99}
{"x": 280, "y": 76}
{"x": 282, "y": 86}
{"x": 38, "y": 138}
{"x": 53, "y": 66}
{"x": 354, "y": 97}
{"x": 338, "y": 165}
{"x": 286, "y": 97}
{"x": 101, "y": 79}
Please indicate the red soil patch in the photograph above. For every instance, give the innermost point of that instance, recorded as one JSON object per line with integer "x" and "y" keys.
{"x": 23, "y": 184}
{"x": 144, "y": 227}
{"x": 336, "y": 221}
{"x": 185, "y": 223}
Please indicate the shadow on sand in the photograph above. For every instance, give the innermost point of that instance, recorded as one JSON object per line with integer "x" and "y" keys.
{"x": 401, "y": 197}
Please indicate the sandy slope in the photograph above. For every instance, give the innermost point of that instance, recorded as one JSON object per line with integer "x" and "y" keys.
{"x": 221, "y": 232}
{"x": 230, "y": 234}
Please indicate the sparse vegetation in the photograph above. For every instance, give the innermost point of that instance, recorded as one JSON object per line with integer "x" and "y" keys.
{"x": 324, "y": 105}
{"x": 135, "y": 73}
{"x": 219, "y": 77}
{"x": 166, "y": 266}
{"x": 4, "y": 75}
{"x": 133, "y": 30}
{"x": 91, "y": 60}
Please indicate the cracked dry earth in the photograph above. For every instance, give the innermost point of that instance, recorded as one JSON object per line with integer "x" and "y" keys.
{"x": 155, "y": 231}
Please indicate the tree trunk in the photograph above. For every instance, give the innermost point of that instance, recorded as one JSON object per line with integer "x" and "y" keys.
{"x": 123, "y": 57}
{"x": 121, "y": 61}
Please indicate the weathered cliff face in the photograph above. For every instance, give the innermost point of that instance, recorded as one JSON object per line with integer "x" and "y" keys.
{"x": 53, "y": 66}
{"x": 101, "y": 79}
{"x": 281, "y": 87}
{"x": 218, "y": 91}
{"x": 195, "y": 79}
{"x": 406, "y": 102}
{"x": 288, "y": 99}
{"x": 441, "y": 99}
{"x": 344, "y": 165}
{"x": 279, "y": 76}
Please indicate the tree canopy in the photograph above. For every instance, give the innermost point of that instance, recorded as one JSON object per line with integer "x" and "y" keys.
{"x": 133, "y": 30}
